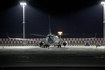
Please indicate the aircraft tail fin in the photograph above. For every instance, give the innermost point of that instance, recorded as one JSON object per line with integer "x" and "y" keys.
{"x": 49, "y": 26}
{"x": 95, "y": 35}
{"x": 7, "y": 35}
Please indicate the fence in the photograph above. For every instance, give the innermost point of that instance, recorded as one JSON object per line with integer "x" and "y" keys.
{"x": 69, "y": 40}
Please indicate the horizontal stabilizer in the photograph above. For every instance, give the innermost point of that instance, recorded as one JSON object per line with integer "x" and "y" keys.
{"x": 38, "y": 35}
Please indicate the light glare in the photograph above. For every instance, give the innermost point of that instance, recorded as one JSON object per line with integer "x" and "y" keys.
{"x": 60, "y": 33}
{"x": 23, "y": 4}
{"x": 103, "y": 3}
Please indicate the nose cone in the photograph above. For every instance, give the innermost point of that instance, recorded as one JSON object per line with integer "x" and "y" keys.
{"x": 50, "y": 40}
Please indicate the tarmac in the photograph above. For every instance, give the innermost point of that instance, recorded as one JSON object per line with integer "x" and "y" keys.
{"x": 69, "y": 56}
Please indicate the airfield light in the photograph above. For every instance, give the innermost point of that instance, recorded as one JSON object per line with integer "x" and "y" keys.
{"x": 60, "y": 33}
{"x": 103, "y": 3}
{"x": 23, "y": 4}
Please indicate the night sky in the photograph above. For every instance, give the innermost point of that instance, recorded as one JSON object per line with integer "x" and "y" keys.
{"x": 78, "y": 18}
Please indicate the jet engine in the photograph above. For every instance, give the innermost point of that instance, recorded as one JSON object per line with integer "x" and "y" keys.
{"x": 65, "y": 43}
{"x": 41, "y": 44}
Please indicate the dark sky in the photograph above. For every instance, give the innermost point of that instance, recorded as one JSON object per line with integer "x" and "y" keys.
{"x": 78, "y": 18}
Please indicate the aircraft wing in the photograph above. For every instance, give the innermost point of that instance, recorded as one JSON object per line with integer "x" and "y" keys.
{"x": 21, "y": 39}
{"x": 38, "y": 35}
{"x": 37, "y": 41}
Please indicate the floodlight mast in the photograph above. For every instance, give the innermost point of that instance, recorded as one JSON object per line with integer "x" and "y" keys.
{"x": 103, "y": 3}
{"x": 23, "y": 4}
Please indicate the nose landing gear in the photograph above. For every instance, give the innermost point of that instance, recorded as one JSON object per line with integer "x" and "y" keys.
{"x": 59, "y": 46}
{"x": 46, "y": 46}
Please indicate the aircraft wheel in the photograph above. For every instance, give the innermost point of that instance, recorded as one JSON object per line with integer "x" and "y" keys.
{"x": 44, "y": 46}
{"x": 48, "y": 46}
{"x": 59, "y": 46}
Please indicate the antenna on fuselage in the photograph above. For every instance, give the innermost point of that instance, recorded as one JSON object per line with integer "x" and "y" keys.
{"x": 49, "y": 25}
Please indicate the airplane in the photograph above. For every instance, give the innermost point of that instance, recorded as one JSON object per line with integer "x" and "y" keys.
{"x": 51, "y": 39}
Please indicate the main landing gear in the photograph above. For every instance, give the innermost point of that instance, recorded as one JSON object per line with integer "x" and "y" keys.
{"x": 59, "y": 46}
{"x": 46, "y": 46}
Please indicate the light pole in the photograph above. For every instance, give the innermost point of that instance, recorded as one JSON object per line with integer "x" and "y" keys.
{"x": 103, "y": 3}
{"x": 23, "y": 4}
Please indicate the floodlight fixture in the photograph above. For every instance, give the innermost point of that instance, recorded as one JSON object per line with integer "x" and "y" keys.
{"x": 60, "y": 32}
{"x": 103, "y": 3}
{"x": 23, "y": 3}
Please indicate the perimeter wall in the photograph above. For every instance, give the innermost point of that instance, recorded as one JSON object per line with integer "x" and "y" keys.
{"x": 69, "y": 40}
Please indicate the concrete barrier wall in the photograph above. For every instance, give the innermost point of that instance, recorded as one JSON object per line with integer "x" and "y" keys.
{"x": 69, "y": 40}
